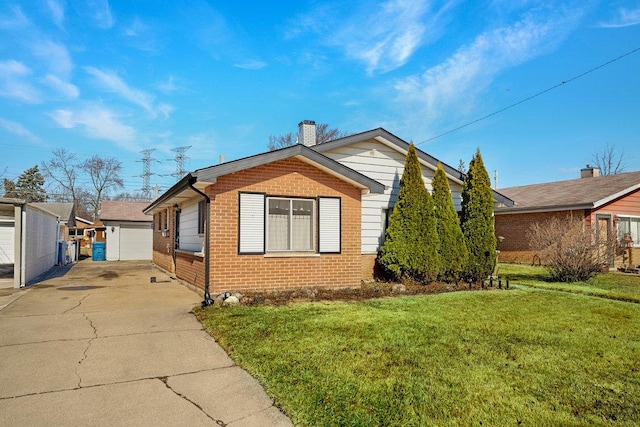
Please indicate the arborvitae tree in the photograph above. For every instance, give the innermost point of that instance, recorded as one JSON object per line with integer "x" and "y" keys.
{"x": 477, "y": 221}
{"x": 410, "y": 249}
{"x": 30, "y": 186}
{"x": 453, "y": 250}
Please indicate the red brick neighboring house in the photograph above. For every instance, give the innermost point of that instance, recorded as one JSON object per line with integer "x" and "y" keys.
{"x": 288, "y": 218}
{"x": 610, "y": 204}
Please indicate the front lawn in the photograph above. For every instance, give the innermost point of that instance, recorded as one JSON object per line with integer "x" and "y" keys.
{"x": 612, "y": 285}
{"x": 522, "y": 356}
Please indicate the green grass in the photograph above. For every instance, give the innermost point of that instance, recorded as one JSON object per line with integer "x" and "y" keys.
{"x": 612, "y": 285}
{"x": 463, "y": 358}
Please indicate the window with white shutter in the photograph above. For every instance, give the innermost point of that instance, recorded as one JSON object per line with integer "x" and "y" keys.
{"x": 251, "y": 233}
{"x": 329, "y": 225}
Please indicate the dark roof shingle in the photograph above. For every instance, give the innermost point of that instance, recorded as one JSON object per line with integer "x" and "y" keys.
{"x": 578, "y": 193}
{"x": 123, "y": 211}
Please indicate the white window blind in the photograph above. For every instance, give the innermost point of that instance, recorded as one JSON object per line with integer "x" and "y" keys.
{"x": 252, "y": 219}
{"x": 329, "y": 225}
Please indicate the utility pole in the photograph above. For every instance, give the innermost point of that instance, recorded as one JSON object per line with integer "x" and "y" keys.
{"x": 495, "y": 179}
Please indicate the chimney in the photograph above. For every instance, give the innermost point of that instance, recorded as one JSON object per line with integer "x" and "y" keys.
{"x": 589, "y": 172}
{"x": 307, "y": 133}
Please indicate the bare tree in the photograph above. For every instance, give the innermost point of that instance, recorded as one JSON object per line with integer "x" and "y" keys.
{"x": 281, "y": 141}
{"x": 570, "y": 251}
{"x": 130, "y": 197}
{"x": 104, "y": 173}
{"x": 323, "y": 134}
{"x": 610, "y": 161}
{"x": 326, "y": 134}
{"x": 63, "y": 169}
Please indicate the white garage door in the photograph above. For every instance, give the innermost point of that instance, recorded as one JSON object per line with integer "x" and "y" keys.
{"x": 136, "y": 242}
{"x": 6, "y": 242}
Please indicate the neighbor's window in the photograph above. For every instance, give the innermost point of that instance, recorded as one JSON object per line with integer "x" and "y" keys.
{"x": 165, "y": 217}
{"x": 290, "y": 224}
{"x": 629, "y": 225}
{"x": 201, "y": 216}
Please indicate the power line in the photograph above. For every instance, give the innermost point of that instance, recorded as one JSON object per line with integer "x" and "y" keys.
{"x": 564, "y": 82}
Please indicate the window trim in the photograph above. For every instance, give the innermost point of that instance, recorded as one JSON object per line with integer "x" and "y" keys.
{"x": 630, "y": 218}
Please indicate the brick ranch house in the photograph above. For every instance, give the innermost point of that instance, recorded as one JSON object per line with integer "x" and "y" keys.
{"x": 282, "y": 219}
{"x": 377, "y": 156}
{"x": 610, "y": 204}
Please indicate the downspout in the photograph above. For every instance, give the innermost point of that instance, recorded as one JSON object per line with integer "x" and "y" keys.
{"x": 207, "y": 243}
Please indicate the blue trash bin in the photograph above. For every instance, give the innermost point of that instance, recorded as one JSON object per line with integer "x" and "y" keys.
{"x": 98, "y": 251}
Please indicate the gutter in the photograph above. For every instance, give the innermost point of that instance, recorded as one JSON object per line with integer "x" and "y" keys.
{"x": 207, "y": 243}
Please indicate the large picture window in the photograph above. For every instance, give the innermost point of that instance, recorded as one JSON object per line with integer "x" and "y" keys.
{"x": 629, "y": 225}
{"x": 290, "y": 224}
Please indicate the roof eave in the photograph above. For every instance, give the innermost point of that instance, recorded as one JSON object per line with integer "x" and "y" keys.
{"x": 171, "y": 196}
{"x": 301, "y": 152}
{"x": 541, "y": 209}
{"x": 615, "y": 196}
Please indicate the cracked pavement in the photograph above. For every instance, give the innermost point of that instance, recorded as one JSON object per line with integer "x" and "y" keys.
{"x": 99, "y": 344}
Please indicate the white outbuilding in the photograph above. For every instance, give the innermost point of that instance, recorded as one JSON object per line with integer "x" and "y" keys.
{"x": 129, "y": 232}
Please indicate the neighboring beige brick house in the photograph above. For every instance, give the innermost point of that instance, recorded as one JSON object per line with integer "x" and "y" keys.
{"x": 282, "y": 219}
{"x": 610, "y": 204}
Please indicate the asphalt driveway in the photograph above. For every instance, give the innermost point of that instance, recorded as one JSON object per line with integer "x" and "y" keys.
{"x": 100, "y": 344}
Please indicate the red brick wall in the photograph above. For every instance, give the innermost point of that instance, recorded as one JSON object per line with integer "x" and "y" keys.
{"x": 289, "y": 178}
{"x": 190, "y": 268}
{"x": 514, "y": 228}
{"x": 368, "y": 266}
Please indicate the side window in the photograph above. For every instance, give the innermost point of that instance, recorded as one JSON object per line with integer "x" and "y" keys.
{"x": 201, "y": 216}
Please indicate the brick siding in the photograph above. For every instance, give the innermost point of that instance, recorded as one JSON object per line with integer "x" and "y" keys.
{"x": 233, "y": 272}
{"x": 514, "y": 228}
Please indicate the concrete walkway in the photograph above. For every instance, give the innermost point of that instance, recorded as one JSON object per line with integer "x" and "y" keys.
{"x": 101, "y": 345}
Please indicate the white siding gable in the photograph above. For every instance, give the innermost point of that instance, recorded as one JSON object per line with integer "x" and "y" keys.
{"x": 386, "y": 165}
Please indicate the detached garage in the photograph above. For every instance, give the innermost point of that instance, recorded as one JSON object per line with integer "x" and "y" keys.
{"x": 28, "y": 242}
{"x": 129, "y": 231}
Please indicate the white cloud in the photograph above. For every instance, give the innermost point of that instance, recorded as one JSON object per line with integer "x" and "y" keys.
{"x": 18, "y": 129}
{"x": 14, "y": 82}
{"x": 386, "y": 38}
{"x": 99, "y": 11}
{"x": 251, "y": 65}
{"x": 56, "y": 56}
{"x": 111, "y": 82}
{"x": 624, "y": 18}
{"x": 17, "y": 20}
{"x": 166, "y": 110}
{"x": 168, "y": 86}
{"x": 97, "y": 123}
{"x": 67, "y": 89}
{"x": 57, "y": 11}
{"x": 471, "y": 69}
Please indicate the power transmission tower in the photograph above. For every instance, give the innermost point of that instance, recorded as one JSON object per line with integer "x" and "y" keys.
{"x": 179, "y": 159}
{"x": 146, "y": 172}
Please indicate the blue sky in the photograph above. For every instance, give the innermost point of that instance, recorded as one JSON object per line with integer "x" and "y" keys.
{"x": 116, "y": 77}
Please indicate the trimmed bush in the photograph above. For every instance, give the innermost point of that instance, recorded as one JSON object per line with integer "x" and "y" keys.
{"x": 410, "y": 249}
{"x": 477, "y": 221}
{"x": 453, "y": 249}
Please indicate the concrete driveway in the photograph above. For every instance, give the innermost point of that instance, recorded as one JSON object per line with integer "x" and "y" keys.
{"x": 99, "y": 344}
